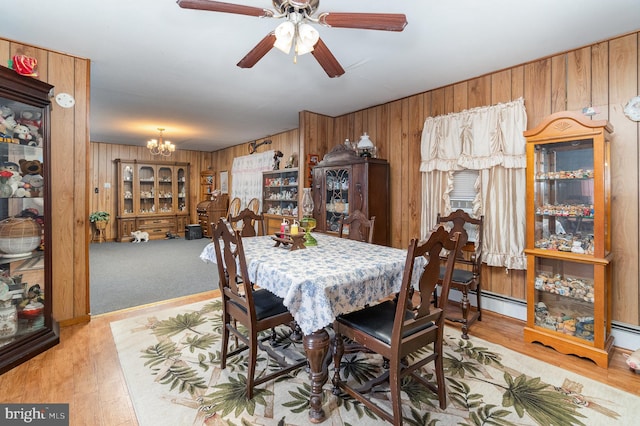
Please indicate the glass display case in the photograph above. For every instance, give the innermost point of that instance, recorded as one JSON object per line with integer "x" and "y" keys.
{"x": 279, "y": 197}
{"x": 344, "y": 182}
{"x": 152, "y": 197}
{"x": 568, "y": 236}
{"x": 26, "y": 322}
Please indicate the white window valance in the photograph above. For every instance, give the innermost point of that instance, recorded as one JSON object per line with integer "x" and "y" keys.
{"x": 477, "y": 139}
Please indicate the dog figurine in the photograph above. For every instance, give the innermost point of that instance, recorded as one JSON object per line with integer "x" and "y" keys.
{"x": 140, "y": 236}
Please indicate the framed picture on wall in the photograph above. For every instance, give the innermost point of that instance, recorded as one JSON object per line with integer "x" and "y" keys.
{"x": 224, "y": 182}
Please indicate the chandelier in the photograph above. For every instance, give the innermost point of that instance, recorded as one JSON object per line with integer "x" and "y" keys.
{"x": 295, "y": 32}
{"x": 160, "y": 146}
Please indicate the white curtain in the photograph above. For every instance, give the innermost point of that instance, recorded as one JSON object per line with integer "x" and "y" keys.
{"x": 246, "y": 176}
{"x": 487, "y": 139}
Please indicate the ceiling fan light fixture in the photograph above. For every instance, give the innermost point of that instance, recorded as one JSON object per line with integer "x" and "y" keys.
{"x": 307, "y": 39}
{"x": 285, "y": 33}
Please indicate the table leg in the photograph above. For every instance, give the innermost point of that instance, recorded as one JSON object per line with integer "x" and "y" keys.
{"x": 316, "y": 346}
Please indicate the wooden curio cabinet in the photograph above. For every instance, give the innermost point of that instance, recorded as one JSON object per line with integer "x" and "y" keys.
{"x": 344, "y": 182}
{"x": 279, "y": 197}
{"x": 152, "y": 197}
{"x": 27, "y": 327}
{"x": 568, "y": 236}
{"x": 207, "y": 185}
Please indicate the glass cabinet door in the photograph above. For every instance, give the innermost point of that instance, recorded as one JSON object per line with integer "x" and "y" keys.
{"x": 280, "y": 192}
{"x": 22, "y": 283}
{"x": 165, "y": 189}
{"x": 564, "y": 197}
{"x": 564, "y": 297}
{"x": 182, "y": 190}
{"x": 126, "y": 173}
{"x": 147, "y": 189}
{"x": 337, "y": 196}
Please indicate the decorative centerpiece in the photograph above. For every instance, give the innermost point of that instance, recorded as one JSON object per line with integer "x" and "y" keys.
{"x": 308, "y": 222}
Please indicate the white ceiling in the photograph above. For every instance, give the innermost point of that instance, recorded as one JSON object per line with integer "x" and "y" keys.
{"x": 154, "y": 64}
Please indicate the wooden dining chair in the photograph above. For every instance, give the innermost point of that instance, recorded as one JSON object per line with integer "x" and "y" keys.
{"x": 468, "y": 267}
{"x": 399, "y": 330}
{"x": 234, "y": 208}
{"x": 246, "y": 222}
{"x": 254, "y": 205}
{"x": 360, "y": 228}
{"x": 255, "y": 310}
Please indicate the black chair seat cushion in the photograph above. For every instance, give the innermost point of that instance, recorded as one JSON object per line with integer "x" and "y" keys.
{"x": 266, "y": 304}
{"x": 377, "y": 321}
{"x": 459, "y": 275}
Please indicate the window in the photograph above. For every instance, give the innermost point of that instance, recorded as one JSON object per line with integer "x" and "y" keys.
{"x": 462, "y": 196}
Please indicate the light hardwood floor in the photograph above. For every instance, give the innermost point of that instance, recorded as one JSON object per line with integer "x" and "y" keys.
{"x": 84, "y": 371}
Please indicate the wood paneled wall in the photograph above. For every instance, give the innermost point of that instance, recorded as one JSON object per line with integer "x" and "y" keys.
{"x": 69, "y": 176}
{"x": 103, "y": 171}
{"x": 604, "y": 75}
{"x": 287, "y": 142}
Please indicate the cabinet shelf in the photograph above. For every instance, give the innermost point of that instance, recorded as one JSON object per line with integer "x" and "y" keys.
{"x": 568, "y": 237}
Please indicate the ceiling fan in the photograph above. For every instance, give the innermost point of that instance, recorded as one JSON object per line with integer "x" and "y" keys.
{"x": 296, "y": 30}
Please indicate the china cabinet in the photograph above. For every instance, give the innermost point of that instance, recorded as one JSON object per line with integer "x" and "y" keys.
{"x": 27, "y": 327}
{"x": 568, "y": 236}
{"x": 279, "y": 197}
{"x": 344, "y": 182}
{"x": 207, "y": 185}
{"x": 152, "y": 197}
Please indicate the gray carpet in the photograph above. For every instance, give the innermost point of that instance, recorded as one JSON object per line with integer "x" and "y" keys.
{"x": 123, "y": 275}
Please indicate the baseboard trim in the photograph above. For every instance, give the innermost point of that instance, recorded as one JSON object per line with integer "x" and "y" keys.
{"x": 625, "y": 336}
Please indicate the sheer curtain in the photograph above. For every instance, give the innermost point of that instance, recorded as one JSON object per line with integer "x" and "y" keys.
{"x": 487, "y": 139}
{"x": 246, "y": 174}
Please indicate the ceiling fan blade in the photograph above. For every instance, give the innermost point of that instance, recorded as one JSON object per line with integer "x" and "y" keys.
{"x": 365, "y": 21}
{"x": 261, "y": 49}
{"x": 327, "y": 61}
{"x": 218, "y": 6}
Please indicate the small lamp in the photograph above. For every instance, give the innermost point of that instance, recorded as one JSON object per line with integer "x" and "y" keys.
{"x": 365, "y": 146}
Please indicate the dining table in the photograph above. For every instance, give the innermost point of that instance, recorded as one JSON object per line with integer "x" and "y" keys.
{"x": 319, "y": 283}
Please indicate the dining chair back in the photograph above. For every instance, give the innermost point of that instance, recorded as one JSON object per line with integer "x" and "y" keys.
{"x": 358, "y": 227}
{"x": 467, "y": 272}
{"x": 256, "y": 310}
{"x": 246, "y": 222}
{"x": 234, "y": 207}
{"x": 399, "y": 330}
{"x": 254, "y": 205}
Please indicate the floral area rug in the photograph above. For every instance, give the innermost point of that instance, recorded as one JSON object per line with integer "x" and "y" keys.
{"x": 171, "y": 364}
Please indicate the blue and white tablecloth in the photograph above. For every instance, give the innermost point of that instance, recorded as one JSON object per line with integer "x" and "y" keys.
{"x": 319, "y": 283}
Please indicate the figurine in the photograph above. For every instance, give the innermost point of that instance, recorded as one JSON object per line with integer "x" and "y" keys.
{"x": 276, "y": 160}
